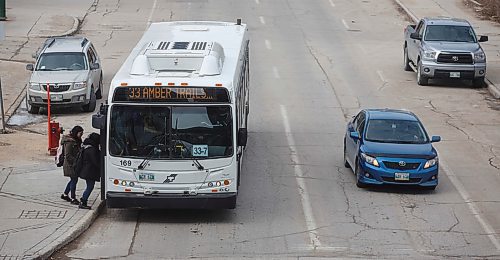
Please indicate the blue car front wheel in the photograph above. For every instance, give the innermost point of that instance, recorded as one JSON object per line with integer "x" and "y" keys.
{"x": 357, "y": 172}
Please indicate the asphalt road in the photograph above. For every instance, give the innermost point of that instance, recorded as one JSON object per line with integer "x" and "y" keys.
{"x": 314, "y": 64}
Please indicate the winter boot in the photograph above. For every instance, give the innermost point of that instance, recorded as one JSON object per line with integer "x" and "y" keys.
{"x": 83, "y": 204}
{"x": 65, "y": 197}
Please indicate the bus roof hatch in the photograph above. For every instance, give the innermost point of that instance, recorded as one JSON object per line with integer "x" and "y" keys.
{"x": 202, "y": 58}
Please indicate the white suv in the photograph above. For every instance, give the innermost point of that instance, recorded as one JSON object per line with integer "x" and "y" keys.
{"x": 71, "y": 68}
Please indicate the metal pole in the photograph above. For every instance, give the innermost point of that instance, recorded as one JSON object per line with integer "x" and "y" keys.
{"x": 48, "y": 116}
{"x": 1, "y": 107}
{"x": 3, "y": 15}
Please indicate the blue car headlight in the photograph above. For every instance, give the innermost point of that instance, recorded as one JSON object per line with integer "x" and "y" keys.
{"x": 431, "y": 163}
{"x": 370, "y": 160}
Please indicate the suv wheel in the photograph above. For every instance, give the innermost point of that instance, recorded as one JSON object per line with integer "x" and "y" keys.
{"x": 98, "y": 94}
{"x": 406, "y": 60}
{"x": 32, "y": 109}
{"x": 421, "y": 80}
{"x": 90, "y": 107}
{"x": 478, "y": 82}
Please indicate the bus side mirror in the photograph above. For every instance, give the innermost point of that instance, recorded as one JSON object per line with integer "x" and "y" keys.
{"x": 242, "y": 137}
{"x": 99, "y": 121}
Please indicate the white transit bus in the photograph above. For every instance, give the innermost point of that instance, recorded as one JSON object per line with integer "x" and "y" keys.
{"x": 175, "y": 123}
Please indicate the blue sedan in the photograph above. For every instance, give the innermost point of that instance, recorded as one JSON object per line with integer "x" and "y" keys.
{"x": 385, "y": 146}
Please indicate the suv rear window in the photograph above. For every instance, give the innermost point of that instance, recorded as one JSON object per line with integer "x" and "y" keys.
{"x": 62, "y": 61}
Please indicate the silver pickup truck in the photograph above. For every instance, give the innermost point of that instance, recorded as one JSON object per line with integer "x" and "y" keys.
{"x": 444, "y": 48}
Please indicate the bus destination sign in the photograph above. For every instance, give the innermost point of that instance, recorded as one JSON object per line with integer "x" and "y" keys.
{"x": 171, "y": 94}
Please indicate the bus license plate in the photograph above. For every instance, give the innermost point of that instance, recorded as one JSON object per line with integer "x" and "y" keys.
{"x": 402, "y": 176}
{"x": 146, "y": 177}
{"x": 454, "y": 74}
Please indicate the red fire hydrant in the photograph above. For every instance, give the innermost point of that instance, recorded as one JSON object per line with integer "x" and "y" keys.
{"x": 54, "y": 137}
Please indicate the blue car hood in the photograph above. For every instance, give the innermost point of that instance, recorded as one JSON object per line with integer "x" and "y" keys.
{"x": 420, "y": 151}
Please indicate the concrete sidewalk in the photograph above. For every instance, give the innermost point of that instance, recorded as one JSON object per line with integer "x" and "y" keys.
{"x": 456, "y": 8}
{"x": 34, "y": 221}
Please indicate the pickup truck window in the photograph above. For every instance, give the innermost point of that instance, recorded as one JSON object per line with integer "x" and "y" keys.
{"x": 450, "y": 33}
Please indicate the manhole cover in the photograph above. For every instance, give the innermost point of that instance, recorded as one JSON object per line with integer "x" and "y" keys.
{"x": 43, "y": 214}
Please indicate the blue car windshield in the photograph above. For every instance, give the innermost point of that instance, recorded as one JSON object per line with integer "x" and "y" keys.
{"x": 395, "y": 131}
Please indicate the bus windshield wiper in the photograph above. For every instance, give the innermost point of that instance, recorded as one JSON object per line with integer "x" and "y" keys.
{"x": 198, "y": 164}
{"x": 175, "y": 139}
{"x": 152, "y": 153}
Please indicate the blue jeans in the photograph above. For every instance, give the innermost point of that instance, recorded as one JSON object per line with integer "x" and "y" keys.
{"x": 71, "y": 186}
{"x": 88, "y": 190}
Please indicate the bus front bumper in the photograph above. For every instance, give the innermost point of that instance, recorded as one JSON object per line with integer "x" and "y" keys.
{"x": 171, "y": 201}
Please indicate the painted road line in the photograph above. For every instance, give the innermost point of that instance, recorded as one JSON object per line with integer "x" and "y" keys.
{"x": 299, "y": 177}
{"x": 490, "y": 232}
{"x": 381, "y": 76}
{"x": 276, "y": 72}
{"x": 262, "y": 20}
{"x": 268, "y": 44}
{"x": 150, "y": 18}
{"x": 345, "y": 24}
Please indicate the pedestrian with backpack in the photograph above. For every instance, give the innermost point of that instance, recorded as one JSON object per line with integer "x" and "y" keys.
{"x": 71, "y": 146}
{"x": 88, "y": 166}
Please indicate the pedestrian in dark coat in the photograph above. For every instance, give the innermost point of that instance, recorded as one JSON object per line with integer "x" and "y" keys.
{"x": 71, "y": 146}
{"x": 90, "y": 170}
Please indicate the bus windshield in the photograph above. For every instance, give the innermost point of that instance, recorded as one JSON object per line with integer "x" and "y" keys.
{"x": 171, "y": 132}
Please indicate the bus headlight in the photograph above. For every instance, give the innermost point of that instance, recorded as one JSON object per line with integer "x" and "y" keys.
{"x": 216, "y": 184}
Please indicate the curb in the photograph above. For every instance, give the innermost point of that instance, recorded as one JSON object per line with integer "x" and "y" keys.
{"x": 73, "y": 30}
{"x": 71, "y": 234}
{"x": 492, "y": 88}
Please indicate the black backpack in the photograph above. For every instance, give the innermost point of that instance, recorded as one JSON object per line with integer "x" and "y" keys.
{"x": 59, "y": 159}
{"x": 79, "y": 161}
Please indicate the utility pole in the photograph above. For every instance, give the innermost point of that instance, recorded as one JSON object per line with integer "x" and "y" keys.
{"x": 3, "y": 14}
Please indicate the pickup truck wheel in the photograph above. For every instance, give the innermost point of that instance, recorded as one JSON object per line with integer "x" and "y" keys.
{"x": 421, "y": 80}
{"x": 478, "y": 83}
{"x": 406, "y": 60}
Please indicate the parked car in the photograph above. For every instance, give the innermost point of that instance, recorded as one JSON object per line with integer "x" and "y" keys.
{"x": 71, "y": 68}
{"x": 444, "y": 48}
{"x": 385, "y": 146}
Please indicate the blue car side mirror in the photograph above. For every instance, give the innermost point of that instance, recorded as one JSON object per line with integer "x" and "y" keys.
{"x": 354, "y": 135}
{"x": 435, "y": 139}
